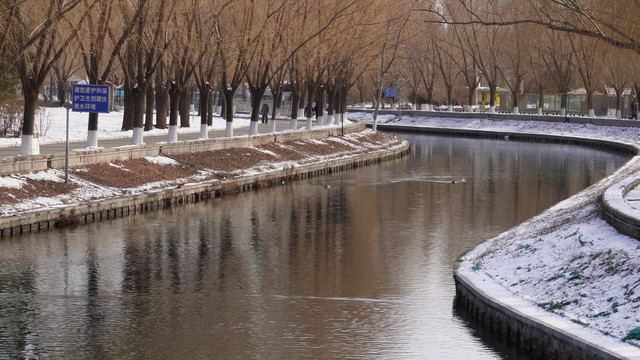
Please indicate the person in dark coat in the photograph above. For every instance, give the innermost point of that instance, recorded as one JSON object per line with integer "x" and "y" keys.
{"x": 265, "y": 113}
{"x": 634, "y": 110}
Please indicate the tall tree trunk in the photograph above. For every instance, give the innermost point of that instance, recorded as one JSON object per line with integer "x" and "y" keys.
{"x": 148, "y": 117}
{"x": 222, "y": 103}
{"x": 310, "y": 98}
{"x": 540, "y": 99}
{"x": 139, "y": 95}
{"x": 162, "y": 97}
{"x": 319, "y": 105}
{"x": 129, "y": 109}
{"x": 256, "y": 100}
{"x": 210, "y": 94}
{"x": 185, "y": 107}
{"x": 295, "y": 100}
{"x": 61, "y": 93}
{"x": 30, "y": 102}
{"x": 228, "y": 104}
{"x": 174, "y": 100}
{"x": 204, "y": 106}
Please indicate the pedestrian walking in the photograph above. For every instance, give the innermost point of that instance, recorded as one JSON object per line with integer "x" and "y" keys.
{"x": 634, "y": 110}
{"x": 265, "y": 113}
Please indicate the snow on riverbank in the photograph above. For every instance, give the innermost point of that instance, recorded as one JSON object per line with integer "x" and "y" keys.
{"x": 51, "y": 123}
{"x": 567, "y": 260}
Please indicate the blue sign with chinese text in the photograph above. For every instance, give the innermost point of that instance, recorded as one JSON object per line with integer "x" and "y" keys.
{"x": 91, "y": 98}
{"x": 390, "y": 92}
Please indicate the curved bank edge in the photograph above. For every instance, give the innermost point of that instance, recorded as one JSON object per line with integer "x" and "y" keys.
{"x": 534, "y": 330}
{"x": 618, "y": 212}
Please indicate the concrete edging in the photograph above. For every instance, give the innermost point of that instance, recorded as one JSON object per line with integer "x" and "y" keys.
{"x": 531, "y": 335}
{"x": 99, "y": 210}
{"x": 617, "y": 212}
{"x": 29, "y": 163}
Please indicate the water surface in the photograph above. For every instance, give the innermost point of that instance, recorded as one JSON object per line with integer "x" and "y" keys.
{"x": 356, "y": 265}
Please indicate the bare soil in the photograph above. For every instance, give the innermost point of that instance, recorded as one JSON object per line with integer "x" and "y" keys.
{"x": 34, "y": 189}
{"x": 138, "y": 172}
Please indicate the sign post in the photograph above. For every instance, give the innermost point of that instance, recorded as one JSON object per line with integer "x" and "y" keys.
{"x": 85, "y": 98}
{"x": 391, "y": 92}
{"x": 91, "y": 98}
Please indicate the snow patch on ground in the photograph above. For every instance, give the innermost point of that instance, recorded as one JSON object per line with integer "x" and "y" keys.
{"x": 161, "y": 160}
{"x": 11, "y": 182}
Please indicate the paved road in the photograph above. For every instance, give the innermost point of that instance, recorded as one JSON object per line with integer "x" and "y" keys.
{"x": 56, "y": 148}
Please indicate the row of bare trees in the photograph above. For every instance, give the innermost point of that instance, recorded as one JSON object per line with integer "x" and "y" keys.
{"x": 321, "y": 50}
{"x": 162, "y": 49}
{"x": 525, "y": 46}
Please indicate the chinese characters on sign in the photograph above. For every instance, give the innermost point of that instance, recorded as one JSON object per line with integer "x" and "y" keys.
{"x": 390, "y": 92}
{"x": 91, "y": 98}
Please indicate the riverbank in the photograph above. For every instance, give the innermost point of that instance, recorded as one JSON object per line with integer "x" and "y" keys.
{"x": 566, "y": 267}
{"x": 99, "y": 190}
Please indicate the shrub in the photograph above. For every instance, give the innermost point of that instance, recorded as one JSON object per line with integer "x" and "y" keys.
{"x": 632, "y": 335}
{"x": 11, "y": 117}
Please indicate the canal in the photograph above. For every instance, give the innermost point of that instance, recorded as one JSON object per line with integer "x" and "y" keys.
{"x": 355, "y": 265}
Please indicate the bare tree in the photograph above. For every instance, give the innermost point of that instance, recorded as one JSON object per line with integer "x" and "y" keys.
{"x": 63, "y": 69}
{"x": 142, "y": 54}
{"x": 589, "y": 63}
{"x": 592, "y": 19}
{"x": 558, "y": 58}
{"x": 446, "y": 65}
{"x": 617, "y": 74}
{"x": 98, "y": 56}
{"x": 34, "y": 41}
{"x": 514, "y": 70}
{"x": 392, "y": 33}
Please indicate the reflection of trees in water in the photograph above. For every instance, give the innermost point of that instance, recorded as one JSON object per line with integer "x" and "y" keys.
{"x": 217, "y": 276}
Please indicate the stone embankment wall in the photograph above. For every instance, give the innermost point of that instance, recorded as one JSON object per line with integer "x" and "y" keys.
{"x": 618, "y": 212}
{"x": 531, "y": 337}
{"x": 101, "y": 210}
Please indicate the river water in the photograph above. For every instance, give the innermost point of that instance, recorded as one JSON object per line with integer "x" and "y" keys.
{"x": 356, "y": 265}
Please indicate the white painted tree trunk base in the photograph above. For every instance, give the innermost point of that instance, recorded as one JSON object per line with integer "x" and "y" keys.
{"x": 413, "y": 107}
{"x": 293, "y": 125}
{"x": 92, "y": 139}
{"x": 28, "y": 146}
{"x": 253, "y": 128}
{"x": 204, "y": 131}
{"x": 592, "y": 113}
{"x": 450, "y": 107}
{"x": 492, "y": 109}
{"x": 273, "y": 125}
{"x": 539, "y": 111}
{"x": 516, "y": 110}
{"x": 173, "y": 133}
{"x": 229, "y": 129}
{"x": 309, "y": 123}
{"x": 331, "y": 119}
{"x": 563, "y": 112}
{"x": 618, "y": 114}
{"x": 137, "y": 136}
